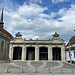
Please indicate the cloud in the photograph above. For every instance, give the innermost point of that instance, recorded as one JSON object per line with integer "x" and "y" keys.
{"x": 9, "y": 5}
{"x": 29, "y": 10}
{"x": 57, "y": 1}
{"x": 34, "y": 23}
{"x": 36, "y": 1}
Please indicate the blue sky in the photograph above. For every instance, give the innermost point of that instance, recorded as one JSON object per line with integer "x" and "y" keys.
{"x": 39, "y": 18}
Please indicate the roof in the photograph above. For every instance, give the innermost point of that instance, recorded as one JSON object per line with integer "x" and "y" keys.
{"x": 72, "y": 41}
{"x": 3, "y": 30}
{"x": 71, "y": 48}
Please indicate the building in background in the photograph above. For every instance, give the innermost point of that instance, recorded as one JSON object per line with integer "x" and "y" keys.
{"x": 5, "y": 38}
{"x": 21, "y": 49}
{"x": 70, "y": 50}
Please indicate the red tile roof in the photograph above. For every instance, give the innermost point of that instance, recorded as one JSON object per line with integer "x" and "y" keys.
{"x": 71, "y": 48}
{"x": 3, "y": 30}
{"x": 72, "y": 41}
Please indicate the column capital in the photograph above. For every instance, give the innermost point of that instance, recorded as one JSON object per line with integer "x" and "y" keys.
{"x": 11, "y": 44}
{"x": 36, "y": 44}
{"x": 24, "y": 44}
{"x": 50, "y": 44}
{"x": 63, "y": 44}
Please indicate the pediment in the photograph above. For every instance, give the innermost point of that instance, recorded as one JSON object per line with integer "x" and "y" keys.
{"x": 57, "y": 40}
{"x": 17, "y": 40}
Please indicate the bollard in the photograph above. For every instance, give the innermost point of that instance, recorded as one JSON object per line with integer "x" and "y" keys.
{"x": 49, "y": 70}
{"x": 61, "y": 70}
{"x": 72, "y": 70}
{"x": 36, "y": 70}
{"x": 21, "y": 70}
{"x": 7, "y": 70}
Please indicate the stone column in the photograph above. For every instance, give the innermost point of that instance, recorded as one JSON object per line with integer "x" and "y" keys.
{"x": 63, "y": 53}
{"x": 50, "y": 53}
{"x": 36, "y": 52}
{"x": 11, "y": 52}
{"x": 24, "y": 52}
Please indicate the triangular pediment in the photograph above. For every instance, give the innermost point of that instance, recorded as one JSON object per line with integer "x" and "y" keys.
{"x": 18, "y": 40}
{"x": 57, "y": 40}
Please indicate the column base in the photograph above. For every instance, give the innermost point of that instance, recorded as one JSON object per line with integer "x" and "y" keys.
{"x": 23, "y": 59}
{"x": 50, "y": 60}
{"x": 10, "y": 59}
{"x": 63, "y": 60}
{"x": 36, "y": 60}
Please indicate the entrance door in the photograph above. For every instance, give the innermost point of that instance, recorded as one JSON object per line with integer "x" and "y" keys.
{"x": 30, "y": 53}
{"x": 56, "y": 53}
{"x": 17, "y": 53}
{"x": 43, "y": 53}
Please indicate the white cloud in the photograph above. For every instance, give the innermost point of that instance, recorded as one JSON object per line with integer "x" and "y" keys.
{"x": 56, "y": 1}
{"x": 8, "y": 5}
{"x": 36, "y": 1}
{"x": 68, "y": 15}
{"x": 29, "y": 10}
{"x": 34, "y": 23}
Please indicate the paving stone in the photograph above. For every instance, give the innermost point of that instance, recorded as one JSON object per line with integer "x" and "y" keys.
{"x": 15, "y": 70}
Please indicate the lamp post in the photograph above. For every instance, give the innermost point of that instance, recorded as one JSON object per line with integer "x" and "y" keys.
{"x": 69, "y": 50}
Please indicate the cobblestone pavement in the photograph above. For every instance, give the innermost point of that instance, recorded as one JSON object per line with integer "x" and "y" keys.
{"x": 36, "y": 67}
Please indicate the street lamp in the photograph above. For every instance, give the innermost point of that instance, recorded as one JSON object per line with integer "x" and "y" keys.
{"x": 69, "y": 50}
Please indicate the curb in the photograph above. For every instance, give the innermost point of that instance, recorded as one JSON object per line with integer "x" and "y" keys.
{"x": 70, "y": 63}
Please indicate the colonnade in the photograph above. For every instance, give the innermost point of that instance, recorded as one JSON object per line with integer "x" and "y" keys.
{"x": 49, "y": 50}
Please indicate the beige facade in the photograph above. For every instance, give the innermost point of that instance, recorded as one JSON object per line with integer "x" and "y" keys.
{"x": 21, "y": 49}
{"x": 4, "y": 44}
{"x": 4, "y": 50}
{"x": 5, "y": 38}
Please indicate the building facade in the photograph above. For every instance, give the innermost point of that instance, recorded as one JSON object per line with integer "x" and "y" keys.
{"x": 21, "y": 49}
{"x": 5, "y": 38}
{"x": 70, "y": 50}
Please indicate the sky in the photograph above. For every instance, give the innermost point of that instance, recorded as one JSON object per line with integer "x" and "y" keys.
{"x": 39, "y": 18}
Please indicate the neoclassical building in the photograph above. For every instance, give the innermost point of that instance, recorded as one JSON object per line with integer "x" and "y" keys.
{"x": 5, "y": 38}
{"x": 21, "y": 49}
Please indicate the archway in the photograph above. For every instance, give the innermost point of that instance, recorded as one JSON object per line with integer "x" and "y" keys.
{"x": 30, "y": 54}
{"x": 43, "y": 53}
{"x": 17, "y": 53}
{"x": 56, "y": 53}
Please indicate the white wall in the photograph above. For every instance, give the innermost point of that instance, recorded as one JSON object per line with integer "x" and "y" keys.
{"x": 72, "y": 57}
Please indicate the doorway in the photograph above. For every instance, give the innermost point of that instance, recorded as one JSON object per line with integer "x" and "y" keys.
{"x": 17, "y": 53}
{"x": 56, "y": 53}
{"x": 43, "y": 53}
{"x": 30, "y": 53}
